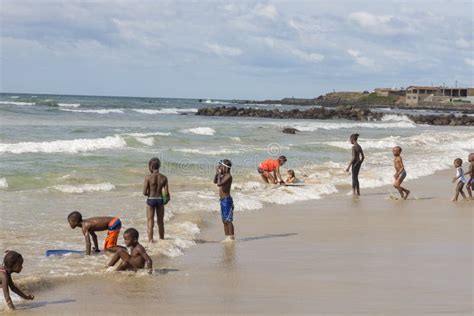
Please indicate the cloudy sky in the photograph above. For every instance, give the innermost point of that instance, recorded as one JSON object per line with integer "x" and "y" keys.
{"x": 232, "y": 49}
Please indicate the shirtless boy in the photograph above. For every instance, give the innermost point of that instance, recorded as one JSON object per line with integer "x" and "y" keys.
{"x": 94, "y": 224}
{"x": 400, "y": 172}
{"x": 157, "y": 191}
{"x": 136, "y": 257}
{"x": 460, "y": 178}
{"x": 12, "y": 263}
{"x": 356, "y": 163}
{"x": 223, "y": 179}
{"x": 470, "y": 182}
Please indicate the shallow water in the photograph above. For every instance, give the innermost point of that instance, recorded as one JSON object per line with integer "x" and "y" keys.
{"x": 64, "y": 153}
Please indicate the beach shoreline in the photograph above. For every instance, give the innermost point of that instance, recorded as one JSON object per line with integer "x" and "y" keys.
{"x": 368, "y": 256}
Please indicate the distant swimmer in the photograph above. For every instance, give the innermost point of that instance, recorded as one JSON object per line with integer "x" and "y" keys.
{"x": 400, "y": 172}
{"x": 94, "y": 224}
{"x": 356, "y": 163}
{"x": 270, "y": 170}
{"x": 157, "y": 190}
{"x": 460, "y": 178}
{"x": 12, "y": 263}
{"x": 470, "y": 182}
{"x": 135, "y": 258}
{"x": 223, "y": 179}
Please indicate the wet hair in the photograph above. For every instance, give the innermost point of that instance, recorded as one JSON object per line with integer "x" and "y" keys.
{"x": 132, "y": 232}
{"x": 398, "y": 147}
{"x": 76, "y": 216}
{"x": 291, "y": 172}
{"x": 154, "y": 163}
{"x": 11, "y": 258}
{"x": 458, "y": 161}
{"x": 282, "y": 158}
{"x": 354, "y": 137}
{"x": 470, "y": 157}
{"x": 227, "y": 163}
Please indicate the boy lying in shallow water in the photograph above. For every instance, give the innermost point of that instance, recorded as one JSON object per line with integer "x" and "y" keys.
{"x": 136, "y": 257}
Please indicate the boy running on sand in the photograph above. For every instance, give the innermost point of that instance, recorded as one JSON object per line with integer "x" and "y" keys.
{"x": 223, "y": 179}
{"x": 470, "y": 183}
{"x": 400, "y": 172}
{"x": 94, "y": 224}
{"x": 462, "y": 179}
{"x": 157, "y": 191}
{"x": 12, "y": 263}
{"x": 136, "y": 257}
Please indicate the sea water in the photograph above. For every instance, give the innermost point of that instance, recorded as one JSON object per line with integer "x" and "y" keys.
{"x": 90, "y": 154}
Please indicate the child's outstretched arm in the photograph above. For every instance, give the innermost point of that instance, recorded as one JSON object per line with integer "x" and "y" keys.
{"x": 166, "y": 191}
{"x": 18, "y": 291}
{"x": 352, "y": 160}
{"x": 149, "y": 262}
{"x": 6, "y": 291}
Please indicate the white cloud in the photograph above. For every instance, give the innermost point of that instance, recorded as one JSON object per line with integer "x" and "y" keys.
{"x": 462, "y": 43}
{"x": 222, "y": 50}
{"x": 305, "y": 56}
{"x": 380, "y": 24}
{"x": 266, "y": 10}
{"x": 360, "y": 59}
{"x": 399, "y": 55}
{"x": 469, "y": 61}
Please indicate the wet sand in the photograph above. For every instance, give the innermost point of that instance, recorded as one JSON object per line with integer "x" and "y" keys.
{"x": 370, "y": 256}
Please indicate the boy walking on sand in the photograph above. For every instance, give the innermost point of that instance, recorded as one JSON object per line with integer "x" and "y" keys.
{"x": 136, "y": 257}
{"x": 470, "y": 182}
{"x": 223, "y": 179}
{"x": 400, "y": 173}
{"x": 460, "y": 178}
{"x": 94, "y": 224}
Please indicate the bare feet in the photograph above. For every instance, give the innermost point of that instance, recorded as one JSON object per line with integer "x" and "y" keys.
{"x": 406, "y": 194}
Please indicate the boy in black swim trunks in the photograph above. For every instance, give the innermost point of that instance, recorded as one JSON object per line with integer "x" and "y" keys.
{"x": 157, "y": 191}
{"x": 400, "y": 172}
{"x": 223, "y": 179}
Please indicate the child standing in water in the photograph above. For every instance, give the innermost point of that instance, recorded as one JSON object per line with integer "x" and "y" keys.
{"x": 223, "y": 179}
{"x": 470, "y": 182}
{"x": 462, "y": 179}
{"x": 356, "y": 163}
{"x": 157, "y": 191}
{"x": 400, "y": 173}
{"x": 12, "y": 263}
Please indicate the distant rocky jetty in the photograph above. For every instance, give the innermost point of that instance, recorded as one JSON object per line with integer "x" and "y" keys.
{"x": 339, "y": 112}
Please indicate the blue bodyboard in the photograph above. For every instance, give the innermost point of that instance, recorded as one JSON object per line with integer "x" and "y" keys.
{"x": 62, "y": 252}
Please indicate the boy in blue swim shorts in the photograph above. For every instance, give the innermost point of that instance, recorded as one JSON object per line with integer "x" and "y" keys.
{"x": 223, "y": 179}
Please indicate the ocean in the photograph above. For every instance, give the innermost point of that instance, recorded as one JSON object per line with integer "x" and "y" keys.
{"x": 90, "y": 154}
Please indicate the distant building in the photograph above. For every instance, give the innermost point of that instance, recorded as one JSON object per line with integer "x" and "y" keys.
{"x": 416, "y": 95}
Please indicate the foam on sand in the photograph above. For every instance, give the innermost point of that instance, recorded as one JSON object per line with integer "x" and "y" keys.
{"x": 65, "y": 146}
{"x": 199, "y": 131}
{"x": 84, "y": 188}
{"x": 165, "y": 111}
{"x": 3, "y": 183}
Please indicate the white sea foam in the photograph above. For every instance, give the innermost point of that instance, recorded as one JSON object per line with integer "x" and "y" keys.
{"x": 84, "y": 188}
{"x": 72, "y": 105}
{"x": 3, "y": 183}
{"x": 149, "y": 141}
{"x": 14, "y": 97}
{"x": 99, "y": 111}
{"x": 315, "y": 126}
{"x": 199, "y": 131}
{"x": 215, "y": 102}
{"x": 236, "y": 139}
{"x": 165, "y": 111}
{"x": 220, "y": 151}
{"x": 17, "y": 103}
{"x": 64, "y": 146}
{"x": 147, "y": 134}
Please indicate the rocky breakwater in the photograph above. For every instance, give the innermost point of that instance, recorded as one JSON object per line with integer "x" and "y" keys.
{"x": 340, "y": 112}
{"x": 450, "y": 120}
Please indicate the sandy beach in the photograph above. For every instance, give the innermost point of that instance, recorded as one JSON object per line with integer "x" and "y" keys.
{"x": 371, "y": 256}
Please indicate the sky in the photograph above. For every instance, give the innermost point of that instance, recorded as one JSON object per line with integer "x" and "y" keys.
{"x": 232, "y": 49}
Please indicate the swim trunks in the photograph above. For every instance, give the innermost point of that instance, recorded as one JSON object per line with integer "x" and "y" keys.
{"x": 402, "y": 176}
{"x": 227, "y": 209}
{"x": 113, "y": 233}
{"x": 155, "y": 201}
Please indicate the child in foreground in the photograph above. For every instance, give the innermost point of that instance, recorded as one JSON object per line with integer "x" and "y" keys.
{"x": 223, "y": 179}
{"x": 136, "y": 257}
{"x": 291, "y": 178}
{"x": 12, "y": 263}
{"x": 460, "y": 178}
{"x": 470, "y": 182}
{"x": 94, "y": 224}
{"x": 400, "y": 173}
